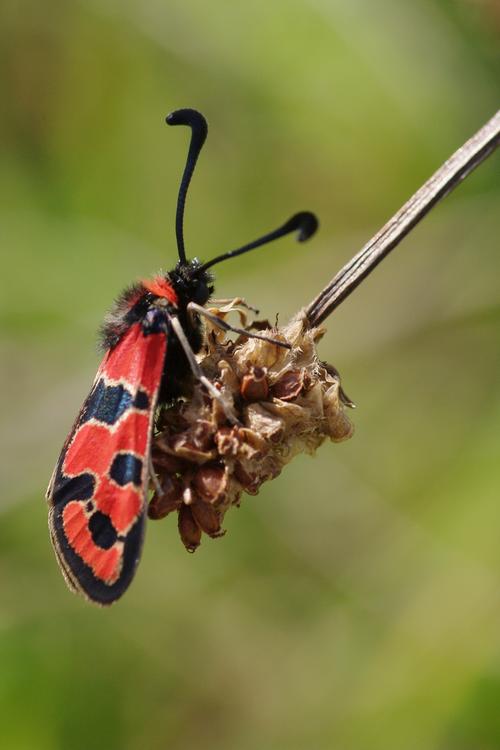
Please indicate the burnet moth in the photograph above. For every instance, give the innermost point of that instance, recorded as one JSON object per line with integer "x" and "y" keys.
{"x": 99, "y": 489}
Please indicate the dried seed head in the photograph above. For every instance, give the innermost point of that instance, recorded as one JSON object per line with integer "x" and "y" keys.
{"x": 287, "y": 401}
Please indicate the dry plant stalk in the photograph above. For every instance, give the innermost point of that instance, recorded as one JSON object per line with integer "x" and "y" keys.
{"x": 285, "y": 401}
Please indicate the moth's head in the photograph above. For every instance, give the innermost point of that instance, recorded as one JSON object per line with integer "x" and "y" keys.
{"x": 192, "y": 282}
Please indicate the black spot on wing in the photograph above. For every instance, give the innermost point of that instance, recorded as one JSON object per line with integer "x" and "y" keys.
{"x": 102, "y": 530}
{"x": 126, "y": 468}
{"x": 141, "y": 400}
{"x": 80, "y": 487}
{"x": 106, "y": 403}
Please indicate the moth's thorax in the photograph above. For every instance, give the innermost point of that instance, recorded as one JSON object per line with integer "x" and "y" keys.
{"x": 151, "y": 301}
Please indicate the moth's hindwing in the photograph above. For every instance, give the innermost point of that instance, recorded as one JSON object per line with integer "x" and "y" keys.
{"x": 97, "y": 495}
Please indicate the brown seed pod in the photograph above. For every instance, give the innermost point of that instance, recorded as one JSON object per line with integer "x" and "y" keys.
{"x": 286, "y": 401}
{"x": 189, "y": 530}
{"x": 289, "y": 386}
{"x": 254, "y": 385}
{"x": 210, "y": 483}
{"x": 168, "y": 499}
{"x": 207, "y": 518}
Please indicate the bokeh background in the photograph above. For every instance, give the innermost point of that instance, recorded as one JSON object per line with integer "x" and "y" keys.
{"x": 355, "y": 603}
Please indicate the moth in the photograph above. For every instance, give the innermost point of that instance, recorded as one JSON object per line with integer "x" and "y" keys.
{"x": 98, "y": 492}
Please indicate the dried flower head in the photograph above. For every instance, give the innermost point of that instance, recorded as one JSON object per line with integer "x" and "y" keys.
{"x": 283, "y": 401}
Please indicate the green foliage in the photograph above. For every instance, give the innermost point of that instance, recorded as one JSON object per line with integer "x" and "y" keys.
{"x": 354, "y": 603}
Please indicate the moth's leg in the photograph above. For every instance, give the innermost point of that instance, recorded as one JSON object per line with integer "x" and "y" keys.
{"x": 197, "y": 371}
{"x": 193, "y": 307}
{"x": 153, "y": 478}
{"x": 238, "y": 301}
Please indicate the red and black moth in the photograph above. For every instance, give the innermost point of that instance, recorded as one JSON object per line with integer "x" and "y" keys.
{"x": 98, "y": 492}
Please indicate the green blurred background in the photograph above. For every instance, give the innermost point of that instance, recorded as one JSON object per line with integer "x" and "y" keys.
{"x": 355, "y": 603}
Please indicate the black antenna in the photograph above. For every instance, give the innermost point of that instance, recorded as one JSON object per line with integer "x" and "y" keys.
{"x": 304, "y": 222}
{"x": 199, "y": 129}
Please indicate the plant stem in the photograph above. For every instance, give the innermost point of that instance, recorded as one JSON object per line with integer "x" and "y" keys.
{"x": 442, "y": 182}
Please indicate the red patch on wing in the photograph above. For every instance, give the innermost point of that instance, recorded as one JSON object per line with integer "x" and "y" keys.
{"x": 135, "y": 359}
{"x": 122, "y": 505}
{"x": 95, "y": 445}
{"x": 161, "y": 288}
